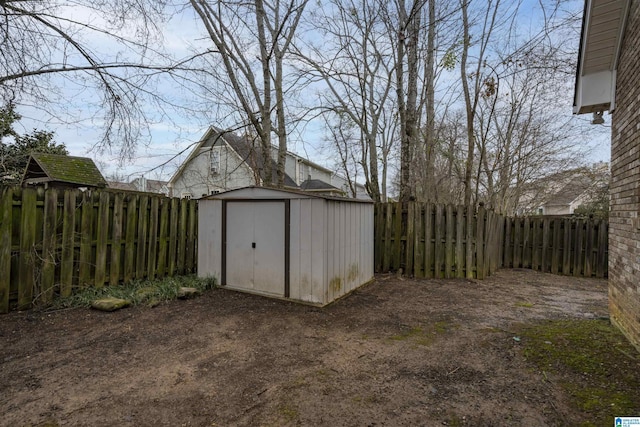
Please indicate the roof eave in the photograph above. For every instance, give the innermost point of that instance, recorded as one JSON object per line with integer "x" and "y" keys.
{"x": 595, "y": 90}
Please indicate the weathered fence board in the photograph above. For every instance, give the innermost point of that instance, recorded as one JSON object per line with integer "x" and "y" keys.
{"x": 63, "y": 240}
{"x": 49, "y": 245}
{"x": 27, "y": 249}
{"x": 429, "y": 240}
{"x": 6, "y": 223}
{"x": 559, "y": 245}
{"x": 68, "y": 230}
{"x": 116, "y": 241}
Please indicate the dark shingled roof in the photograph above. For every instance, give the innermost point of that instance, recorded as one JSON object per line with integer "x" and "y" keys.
{"x": 571, "y": 191}
{"x": 317, "y": 184}
{"x": 252, "y": 155}
{"x": 81, "y": 171}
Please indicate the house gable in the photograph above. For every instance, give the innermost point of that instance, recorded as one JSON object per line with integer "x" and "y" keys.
{"x": 196, "y": 178}
{"x": 238, "y": 163}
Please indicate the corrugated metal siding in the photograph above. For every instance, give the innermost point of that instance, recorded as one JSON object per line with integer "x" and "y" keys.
{"x": 349, "y": 247}
{"x": 307, "y": 280}
{"x": 331, "y": 243}
{"x": 209, "y": 238}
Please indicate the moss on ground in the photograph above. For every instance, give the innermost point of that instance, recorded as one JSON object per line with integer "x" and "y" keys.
{"x": 592, "y": 361}
{"x": 424, "y": 335}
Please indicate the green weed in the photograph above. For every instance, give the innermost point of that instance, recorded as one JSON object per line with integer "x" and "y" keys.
{"x": 150, "y": 292}
{"x": 594, "y": 363}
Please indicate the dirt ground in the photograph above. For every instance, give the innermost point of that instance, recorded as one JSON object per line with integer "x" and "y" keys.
{"x": 396, "y": 352}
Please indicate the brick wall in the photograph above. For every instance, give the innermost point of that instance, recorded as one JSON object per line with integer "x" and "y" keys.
{"x": 624, "y": 228}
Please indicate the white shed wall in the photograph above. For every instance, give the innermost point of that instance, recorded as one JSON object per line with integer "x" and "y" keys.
{"x": 349, "y": 247}
{"x": 210, "y": 239}
{"x": 331, "y": 243}
{"x": 307, "y": 272}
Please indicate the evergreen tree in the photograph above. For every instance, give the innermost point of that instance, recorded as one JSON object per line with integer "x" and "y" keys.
{"x": 15, "y": 149}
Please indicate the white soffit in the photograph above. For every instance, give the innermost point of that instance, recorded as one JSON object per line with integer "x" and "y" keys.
{"x": 601, "y": 39}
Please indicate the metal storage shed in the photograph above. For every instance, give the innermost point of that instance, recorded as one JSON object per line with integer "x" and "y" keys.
{"x": 286, "y": 244}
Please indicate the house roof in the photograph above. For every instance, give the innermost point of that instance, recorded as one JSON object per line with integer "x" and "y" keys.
{"x": 570, "y": 192}
{"x": 121, "y": 186}
{"x": 150, "y": 185}
{"x": 253, "y": 157}
{"x": 603, "y": 26}
{"x": 317, "y": 185}
{"x": 81, "y": 171}
{"x": 242, "y": 146}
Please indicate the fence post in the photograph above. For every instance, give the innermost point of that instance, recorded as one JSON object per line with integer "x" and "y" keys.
{"x": 86, "y": 229}
{"x": 143, "y": 234}
{"x": 101, "y": 239}
{"x": 162, "y": 247}
{"x": 6, "y": 221}
{"x": 173, "y": 235}
{"x": 429, "y": 263}
{"x": 153, "y": 238}
{"x": 588, "y": 247}
{"x": 448, "y": 242}
{"x": 388, "y": 226}
{"x": 437, "y": 246}
{"x": 409, "y": 241}
{"x": 577, "y": 254}
{"x": 566, "y": 247}
{"x": 555, "y": 246}
{"x": 517, "y": 250}
{"x": 68, "y": 239}
{"x": 130, "y": 238}
{"x": 418, "y": 247}
{"x": 469, "y": 242}
{"x": 27, "y": 261}
{"x": 602, "y": 245}
{"x": 378, "y": 213}
{"x": 116, "y": 241}
{"x": 459, "y": 255}
{"x": 48, "y": 279}
{"x": 480, "y": 272}
{"x": 544, "y": 263}
{"x": 397, "y": 242}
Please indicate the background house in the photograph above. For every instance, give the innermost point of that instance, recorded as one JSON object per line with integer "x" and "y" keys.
{"x": 223, "y": 161}
{"x": 62, "y": 171}
{"x": 563, "y": 192}
{"x": 142, "y": 184}
{"x": 607, "y": 79}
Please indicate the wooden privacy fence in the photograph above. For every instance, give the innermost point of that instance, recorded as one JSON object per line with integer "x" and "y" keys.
{"x": 429, "y": 240}
{"x": 54, "y": 241}
{"x": 569, "y": 246}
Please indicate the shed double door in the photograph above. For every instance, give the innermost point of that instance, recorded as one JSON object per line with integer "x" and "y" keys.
{"x": 255, "y": 248}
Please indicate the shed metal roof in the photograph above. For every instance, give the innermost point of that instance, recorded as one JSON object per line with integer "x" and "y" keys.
{"x": 255, "y": 192}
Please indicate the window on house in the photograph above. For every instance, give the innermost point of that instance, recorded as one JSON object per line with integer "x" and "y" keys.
{"x": 186, "y": 195}
{"x": 215, "y": 160}
{"x": 212, "y": 192}
{"x": 301, "y": 175}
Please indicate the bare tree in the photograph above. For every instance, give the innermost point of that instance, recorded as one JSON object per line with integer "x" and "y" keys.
{"x": 49, "y": 57}
{"x": 240, "y": 32}
{"x": 355, "y": 64}
{"x": 406, "y": 62}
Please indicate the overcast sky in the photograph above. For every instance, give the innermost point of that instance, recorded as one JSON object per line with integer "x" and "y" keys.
{"x": 168, "y": 140}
